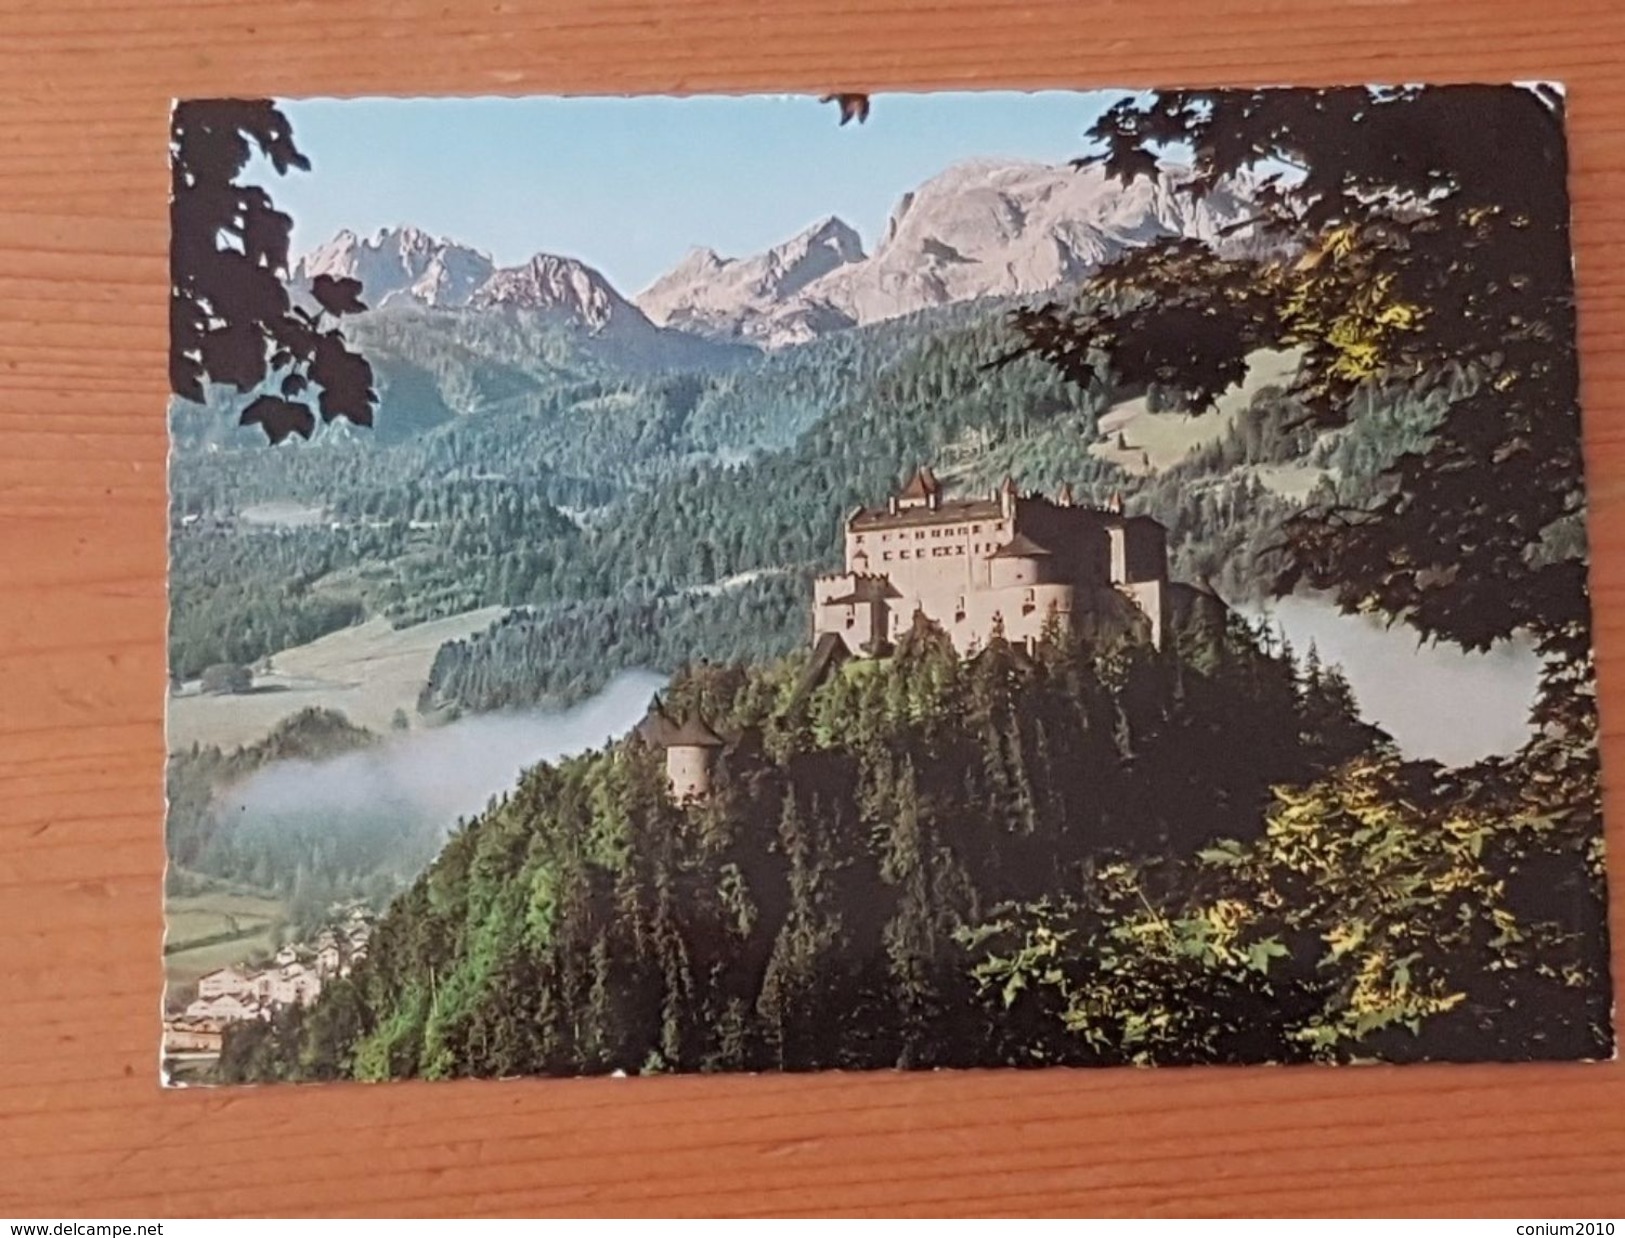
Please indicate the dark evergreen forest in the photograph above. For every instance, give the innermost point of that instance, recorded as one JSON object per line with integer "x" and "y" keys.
{"x": 892, "y": 866}
{"x": 1075, "y": 854}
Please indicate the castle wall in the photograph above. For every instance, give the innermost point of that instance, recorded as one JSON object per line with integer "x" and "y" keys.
{"x": 860, "y": 625}
{"x": 1151, "y": 596}
{"x": 1018, "y": 573}
{"x": 941, "y": 565}
{"x": 1024, "y": 611}
{"x": 1074, "y": 536}
{"x": 922, "y": 556}
{"x": 688, "y": 772}
{"x": 970, "y": 617}
{"x": 1139, "y": 552}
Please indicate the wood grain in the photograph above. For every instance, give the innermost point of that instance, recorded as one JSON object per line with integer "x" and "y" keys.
{"x": 85, "y": 1130}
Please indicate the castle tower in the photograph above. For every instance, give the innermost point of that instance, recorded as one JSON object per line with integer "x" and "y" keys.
{"x": 1019, "y": 562}
{"x": 691, "y": 750}
{"x": 922, "y": 490}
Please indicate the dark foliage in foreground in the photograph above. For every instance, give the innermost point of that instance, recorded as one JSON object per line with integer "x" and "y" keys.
{"x": 231, "y": 318}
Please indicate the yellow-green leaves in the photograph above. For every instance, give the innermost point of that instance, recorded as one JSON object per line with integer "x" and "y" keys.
{"x": 1374, "y": 903}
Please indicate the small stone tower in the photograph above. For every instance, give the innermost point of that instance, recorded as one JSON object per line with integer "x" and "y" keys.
{"x": 691, "y": 749}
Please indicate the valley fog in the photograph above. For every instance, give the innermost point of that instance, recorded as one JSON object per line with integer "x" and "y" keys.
{"x": 424, "y": 780}
{"x": 1437, "y": 701}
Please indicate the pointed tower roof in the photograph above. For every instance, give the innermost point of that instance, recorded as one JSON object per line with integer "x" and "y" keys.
{"x": 1065, "y": 497}
{"x": 1115, "y": 503}
{"x": 694, "y": 733}
{"x": 1009, "y": 486}
{"x": 923, "y": 485}
{"x": 657, "y": 726}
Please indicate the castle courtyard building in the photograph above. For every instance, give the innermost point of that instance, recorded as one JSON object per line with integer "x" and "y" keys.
{"x": 1010, "y": 562}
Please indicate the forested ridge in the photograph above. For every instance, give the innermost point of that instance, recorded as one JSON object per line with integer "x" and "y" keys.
{"x": 1084, "y": 856}
{"x": 611, "y": 495}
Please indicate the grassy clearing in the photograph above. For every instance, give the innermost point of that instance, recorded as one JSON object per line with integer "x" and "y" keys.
{"x": 1152, "y": 442}
{"x": 1291, "y": 481}
{"x": 215, "y": 929}
{"x": 366, "y": 672}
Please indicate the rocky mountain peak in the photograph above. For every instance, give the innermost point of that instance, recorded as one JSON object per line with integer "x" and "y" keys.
{"x": 983, "y": 227}
{"x": 399, "y": 264}
{"x": 727, "y": 297}
{"x": 550, "y": 282}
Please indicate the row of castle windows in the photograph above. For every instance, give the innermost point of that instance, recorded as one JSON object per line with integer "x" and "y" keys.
{"x": 937, "y": 552}
{"x": 959, "y": 530}
{"x": 959, "y": 617}
{"x": 940, "y": 551}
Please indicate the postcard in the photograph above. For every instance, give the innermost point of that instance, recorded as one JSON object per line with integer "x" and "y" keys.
{"x": 950, "y": 580}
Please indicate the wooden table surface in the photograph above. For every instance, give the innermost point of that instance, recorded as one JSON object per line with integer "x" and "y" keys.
{"x": 85, "y": 1130}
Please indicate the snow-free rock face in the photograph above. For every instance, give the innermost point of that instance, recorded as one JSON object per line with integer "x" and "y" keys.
{"x": 743, "y": 297}
{"x": 994, "y": 228}
{"x": 558, "y": 285}
{"x": 406, "y": 266}
{"x": 399, "y": 264}
{"x": 981, "y": 228}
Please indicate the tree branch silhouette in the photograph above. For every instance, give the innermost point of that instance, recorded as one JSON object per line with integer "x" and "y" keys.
{"x": 232, "y": 321}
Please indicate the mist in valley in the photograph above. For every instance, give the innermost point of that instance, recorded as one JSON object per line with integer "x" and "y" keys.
{"x": 372, "y": 819}
{"x": 1436, "y": 700}
{"x": 385, "y": 810}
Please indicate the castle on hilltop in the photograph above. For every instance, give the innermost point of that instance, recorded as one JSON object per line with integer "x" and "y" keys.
{"x": 1010, "y": 562}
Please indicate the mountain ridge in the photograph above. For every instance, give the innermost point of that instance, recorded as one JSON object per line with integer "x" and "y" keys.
{"x": 403, "y": 263}
{"x": 709, "y": 294}
{"x": 983, "y": 227}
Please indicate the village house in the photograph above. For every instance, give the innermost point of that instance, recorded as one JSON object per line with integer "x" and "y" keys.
{"x": 289, "y": 985}
{"x": 328, "y": 960}
{"x": 1012, "y": 562}
{"x": 227, "y": 1008}
{"x": 225, "y": 982}
{"x": 193, "y": 1035}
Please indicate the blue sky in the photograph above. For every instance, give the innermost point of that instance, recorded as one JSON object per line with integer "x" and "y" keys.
{"x": 630, "y": 185}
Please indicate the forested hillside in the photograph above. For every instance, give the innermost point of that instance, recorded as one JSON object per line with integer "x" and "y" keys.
{"x": 485, "y": 507}
{"x": 608, "y": 500}
{"x": 1078, "y": 856}
{"x": 555, "y": 655}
